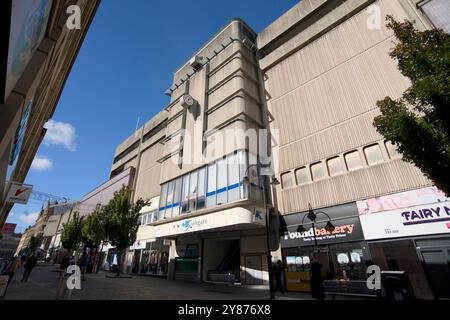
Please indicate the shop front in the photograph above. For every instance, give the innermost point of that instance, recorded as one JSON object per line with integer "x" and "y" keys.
{"x": 341, "y": 250}
{"x": 410, "y": 232}
{"x": 155, "y": 258}
{"x": 223, "y": 246}
{"x": 149, "y": 257}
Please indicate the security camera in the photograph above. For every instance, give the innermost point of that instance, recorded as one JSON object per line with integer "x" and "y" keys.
{"x": 187, "y": 101}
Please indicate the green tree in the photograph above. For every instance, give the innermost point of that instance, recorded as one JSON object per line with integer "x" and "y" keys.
{"x": 71, "y": 236}
{"x": 93, "y": 230}
{"x": 35, "y": 242}
{"x": 419, "y": 122}
{"x": 121, "y": 221}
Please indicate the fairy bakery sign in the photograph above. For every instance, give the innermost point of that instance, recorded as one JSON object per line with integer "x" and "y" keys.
{"x": 426, "y": 219}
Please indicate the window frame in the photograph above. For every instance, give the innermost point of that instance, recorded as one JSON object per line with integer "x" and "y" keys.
{"x": 367, "y": 158}
{"x": 341, "y": 164}
{"x": 360, "y": 159}
{"x": 398, "y": 154}
{"x": 323, "y": 168}
{"x": 282, "y": 181}
{"x": 308, "y": 173}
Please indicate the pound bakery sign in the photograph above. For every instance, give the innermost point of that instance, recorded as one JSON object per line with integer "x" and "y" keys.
{"x": 322, "y": 233}
{"x": 346, "y": 229}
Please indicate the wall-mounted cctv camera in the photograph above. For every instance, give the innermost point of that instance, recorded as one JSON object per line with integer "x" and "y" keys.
{"x": 187, "y": 102}
{"x": 197, "y": 62}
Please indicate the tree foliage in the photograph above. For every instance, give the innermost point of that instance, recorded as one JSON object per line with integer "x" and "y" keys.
{"x": 121, "y": 221}
{"x": 93, "y": 230}
{"x": 419, "y": 122}
{"x": 35, "y": 242}
{"x": 71, "y": 236}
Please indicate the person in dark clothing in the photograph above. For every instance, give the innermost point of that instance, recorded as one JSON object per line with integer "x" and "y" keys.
{"x": 29, "y": 265}
{"x": 65, "y": 262}
{"x": 278, "y": 275}
{"x": 317, "y": 290}
{"x": 83, "y": 265}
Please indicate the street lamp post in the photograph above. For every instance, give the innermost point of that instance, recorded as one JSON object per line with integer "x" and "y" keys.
{"x": 267, "y": 219}
{"x": 313, "y": 216}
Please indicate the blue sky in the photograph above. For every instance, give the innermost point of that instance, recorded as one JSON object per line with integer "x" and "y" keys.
{"x": 122, "y": 70}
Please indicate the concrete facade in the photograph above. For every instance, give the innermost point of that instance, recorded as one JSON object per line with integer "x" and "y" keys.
{"x": 312, "y": 79}
{"x": 41, "y": 84}
{"x": 296, "y": 77}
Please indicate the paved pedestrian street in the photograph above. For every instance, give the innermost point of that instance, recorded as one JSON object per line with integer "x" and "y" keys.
{"x": 43, "y": 282}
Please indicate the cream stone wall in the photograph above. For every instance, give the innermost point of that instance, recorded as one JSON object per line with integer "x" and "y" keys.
{"x": 322, "y": 98}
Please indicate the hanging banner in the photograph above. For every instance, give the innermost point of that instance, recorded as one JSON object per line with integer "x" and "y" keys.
{"x": 28, "y": 25}
{"x": 18, "y": 137}
{"x": 19, "y": 193}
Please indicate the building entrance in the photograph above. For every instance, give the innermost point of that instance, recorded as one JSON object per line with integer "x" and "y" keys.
{"x": 222, "y": 261}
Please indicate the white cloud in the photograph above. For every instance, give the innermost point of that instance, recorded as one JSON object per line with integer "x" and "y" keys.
{"x": 60, "y": 133}
{"x": 41, "y": 163}
{"x": 29, "y": 218}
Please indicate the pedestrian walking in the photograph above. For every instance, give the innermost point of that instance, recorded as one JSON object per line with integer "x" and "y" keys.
{"x": 278, "y": 270}
{"x": 317, "y": 290}
{"x": 83, "y": 265}
{"x": 65, "y": 262}
{"x": 29, "y": 265}
{"x": 13, "y": 267}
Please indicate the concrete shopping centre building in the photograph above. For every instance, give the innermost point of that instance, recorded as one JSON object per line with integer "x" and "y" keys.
{"x": 312, "y": 79}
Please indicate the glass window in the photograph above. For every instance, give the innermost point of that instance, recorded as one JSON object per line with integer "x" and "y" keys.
{"x": 252, "y": 171}
{"x": 353, "y": 161}
{"x": 211, "y": 186}
{"x": 154, "y": 216}
{"x": 392, "y": 150}
{"x": 335, "y": 166}
{"x": 233, "y": 177}
{"x": 302, "y": 175}
{"x": 163, "y": 201}
{"x": 170, "y": 192}
{"x": 221, "y": 181}
{"x": 286, "y": 180}
{"x": 348, "y": 262}
{"x": 177, "y": 197}
{"x": 297, "y": 260}
{"x": 201, "y": 196}
{"x": 185, "y": 194}
{"x": 318, "y": 171}
{"x": 373, "y": 154}
{"x": 242, "y": 155}
{"x": 193, "y": 190}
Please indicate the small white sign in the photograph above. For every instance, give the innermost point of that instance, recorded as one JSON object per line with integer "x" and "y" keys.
{"x": 19, "y": 193}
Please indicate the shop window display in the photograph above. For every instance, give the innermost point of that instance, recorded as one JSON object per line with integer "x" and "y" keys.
{"x": 348, "y": 262}
{"x": 344, "y": 262}
{"x": 155, "y": 259}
